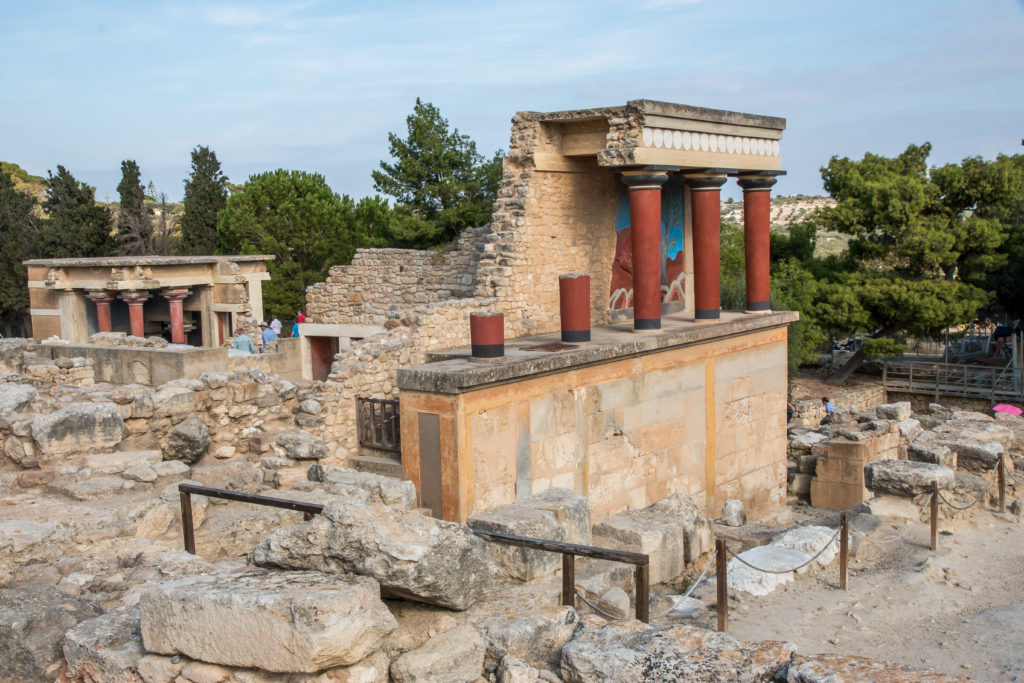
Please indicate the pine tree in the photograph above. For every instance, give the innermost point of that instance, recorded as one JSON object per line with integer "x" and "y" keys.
{"x": 17, "y": 235}
{"x": 134, "y": 228}
{"x": 76, "y": 226}
{"x": 206, "y": 194}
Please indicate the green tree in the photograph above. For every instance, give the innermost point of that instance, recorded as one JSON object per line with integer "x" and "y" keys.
{"x": 917, "y": 252}
{"x": 17, "y": 235}
{"x": 440, "y": 182}
{"x": 75, "y": 226}
{"x": 298, "y": 219}
{"x": 206, "y": 194}
{"x": 134, "y": 228}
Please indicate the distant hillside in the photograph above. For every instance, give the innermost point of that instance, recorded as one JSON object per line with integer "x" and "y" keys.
{"x": 25, "y": 181}
{"x": 789, "y": 209}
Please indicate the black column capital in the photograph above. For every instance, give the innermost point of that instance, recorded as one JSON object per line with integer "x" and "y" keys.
{"x": 644, "y": 180}
{"x": 756, "y": 183}
{"x": 705, "y": 182}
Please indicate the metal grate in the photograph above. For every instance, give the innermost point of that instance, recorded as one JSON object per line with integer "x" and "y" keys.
{"x": 378, "y": 423}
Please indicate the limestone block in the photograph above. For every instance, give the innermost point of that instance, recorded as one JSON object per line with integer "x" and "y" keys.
{"x": 236, "y": 475}
{"x": 909, "y": 429}
{"x": 802, "y": 441}
{"x": 809, "y": 539}
{"x": 894, "y": 411}
{"x": 106, "y": 648}
{"x": 456, "y": 656}
{"x": 801, "y": 485}
{"x": 16, "y": 397}
{"x": 634, "y": 651}
{"x": 188, "y": 441}
{"x": 397, "y": 493}
{"x": 733, "y": 513}
{"x": 170, "y": 400}
{"x": 749, "y": 580}
{"x": 525, "y": 622}
{"x": 93, "y": 488}
{"x": 553, "y": 515}
{"x": 411, "y": 555}
{"x": 906, "y": 477}
{"x": 277, "y": 621}
{"x": 301, "y": 445}
{"x": 119, "y": 461}
{"x": 33, "y": 620}
{"x": 78, "y": 427}
{"x": 923, "y": 450}
{"x": 171, "y": 468}
{"x": 673, "y": 531}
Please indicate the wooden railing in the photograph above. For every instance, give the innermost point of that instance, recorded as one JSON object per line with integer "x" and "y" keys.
{"x": 378, "y": 423}
{"x": 952, "y": 379}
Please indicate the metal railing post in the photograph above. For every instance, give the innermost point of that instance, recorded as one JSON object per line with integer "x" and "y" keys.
{"x": 187, "y": 530}
{"x": 844, "y": 550}
{"x": 1001, "y": 473}
{"x": 643, "y": 593}
{"x": 569, "y": 579}
{"x": 935, "y": 515}
{"x": 721, "y": 582}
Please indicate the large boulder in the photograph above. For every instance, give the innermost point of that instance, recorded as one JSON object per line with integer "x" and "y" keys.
{"x": 398, "y": 493}
{"x": 33, "y": 621}
{"x": 926, "y": 450}
{"x": 106, "y": 648}
{"x": 16, "y": 397}
{"x": 456, "y": 656}
{"x": 526, "y": 623}
{"x": 412, "y": 556}
{"x": 171, "y": 400}
{"x": 276, "y": 621}
{"x": 188, "y": 441}
{"x": 906, "y": 477}
{"x": 675, "y": 532}
{"x": 830, "y": 668}
{"x": 634, "y": 651}
{"x": 552, "y": 515}
{"x": 301, "y": 445}
{"x": 894, "y": 411}
{"x": 78, "y": 428}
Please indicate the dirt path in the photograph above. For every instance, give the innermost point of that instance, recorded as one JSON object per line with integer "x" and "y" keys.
{"x": 959, "y": 610}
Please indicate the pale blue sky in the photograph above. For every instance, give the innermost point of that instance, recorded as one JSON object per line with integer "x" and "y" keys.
{"x": 317, "y": 86}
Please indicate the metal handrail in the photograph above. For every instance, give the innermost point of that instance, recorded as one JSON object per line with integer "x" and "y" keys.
{"x": 569, "y": 551}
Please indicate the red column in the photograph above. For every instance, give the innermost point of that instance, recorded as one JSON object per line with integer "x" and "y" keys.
{"x": 645, "y": 231}
{"x": 707, "y": 227}
{"x": 574, "y": 307}
{"x": 487, "y": 334}
{"x": 102, "y": 299}
{"x": 135, "y": 301}
{"x": 757, "y": 238}
{"x": 174, "y": 298}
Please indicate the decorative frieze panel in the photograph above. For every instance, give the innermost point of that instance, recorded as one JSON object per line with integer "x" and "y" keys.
{"x": 686, "y": 141}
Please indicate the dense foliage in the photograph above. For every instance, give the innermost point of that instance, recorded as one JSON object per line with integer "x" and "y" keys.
{"x": 75, "y": 225}
{"x": 18, "y": 236}
{"x": 206, "y": 195}
{"x": 134, "y": 229}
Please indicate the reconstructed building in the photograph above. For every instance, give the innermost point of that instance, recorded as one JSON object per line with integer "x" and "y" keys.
{"x": 671, "y": 395}
{"x": 197, "y": 300}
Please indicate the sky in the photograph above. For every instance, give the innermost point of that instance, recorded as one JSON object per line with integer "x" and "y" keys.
{"x": 317, "y": 86}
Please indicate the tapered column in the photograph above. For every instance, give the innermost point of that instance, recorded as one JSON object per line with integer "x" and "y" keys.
{"x": 645, "y": 230}
{"x": 136, "y": 321}
{"x": 102, "y": 299}
{"x": 757, "y": 239}
{"x": 174, "y": 298}
{"x": 705, "y": 201}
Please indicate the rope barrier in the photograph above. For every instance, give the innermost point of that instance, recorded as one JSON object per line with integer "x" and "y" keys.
{"x": 893, "y": 539}
{"x": 977, "y": 500}
{"x": 787, "y": 571}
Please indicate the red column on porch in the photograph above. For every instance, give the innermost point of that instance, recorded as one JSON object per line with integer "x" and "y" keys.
{"x": 645, "y": 229}
{"x": 102, "y": 299}
{"x": 757, "y": 239}
{"x": 707, "y": 227}
{"x": 135, "y": 301}
{"x": 174, "y": 299}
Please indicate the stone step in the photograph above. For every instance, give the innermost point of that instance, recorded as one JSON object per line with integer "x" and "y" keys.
{"x": 377, "y": 464}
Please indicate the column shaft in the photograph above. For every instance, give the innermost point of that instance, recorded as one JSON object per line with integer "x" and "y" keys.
{"x": 705, "y": 200}
{"x": 102, "y": 300}
{"x": 757, "y": 240}
{"x": 136, "y": 320}
{"x": 645, "y": 231}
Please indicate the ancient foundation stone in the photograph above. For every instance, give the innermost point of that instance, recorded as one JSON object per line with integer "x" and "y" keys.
{"x": 456, "y": 656}
{"x": 906, "y": 477}
{"x": 397, "y": 493}
{"x": 188, "y": 441}
{"x": 105, "y": 649}
{"x": 553, "y": 515}
{"x": 301, "y": 445}
{"x": 412, "y": 556}
{"x": 16, "y": 397}
{"x": 276, "y": 621}
{"x": 77, "y": 428}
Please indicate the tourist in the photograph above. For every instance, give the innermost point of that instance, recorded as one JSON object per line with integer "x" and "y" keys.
{"x": 275, "y": 325}
{"x": 299, "y": 318}
{"x": 268, "y": 336}
{"x": 243, "y": 342}
{"x": 830, "y": 407}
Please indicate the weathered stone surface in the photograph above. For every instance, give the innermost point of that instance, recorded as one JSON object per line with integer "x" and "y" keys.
{"x": 105, "y": 649}
{"x": 894, "y": 411}
{"x": 78, "y": 427}
{"x": 411, "y": 555}
{"x": 674, "y": 532}
{"x": 119, "y": 461}
{"x": 514, "y": 670}
{"x": 750, "y": 580}
{"x": 801, "y": 442}
{"x": 397, "y": 493}
{"x": 14, "y": 398}
{"x": 639, "y": 652}
{"x": 733, "y": 513}
{"x": 615, "y": 603}
{"x": 801, "y": 485}
{"x": 827, "y": 668}
{"x": 909, "y": 429}
{"x": 171, "y": 400}
{"x": 526, "y": 622}
{"x": 89, "y": 489}
{"x": 277, "y": 621}
{"x": 553, "y": 515}
{"x": 809, "y": 539}
{"x": 33, "y": 620}
{"x": 188, "y": 441}
{"x": 924, "y": 450}
{"x": 906, "y": 477}
{"x": 301, "y": 445}
{"x": 236, "y": 475}
{"x": 456, "y": 656}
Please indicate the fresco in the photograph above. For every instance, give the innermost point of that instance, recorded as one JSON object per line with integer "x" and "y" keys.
{"x": 672, "y": 266}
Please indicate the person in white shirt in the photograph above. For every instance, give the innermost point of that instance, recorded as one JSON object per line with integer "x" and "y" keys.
{"x": 275, "y": 325}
